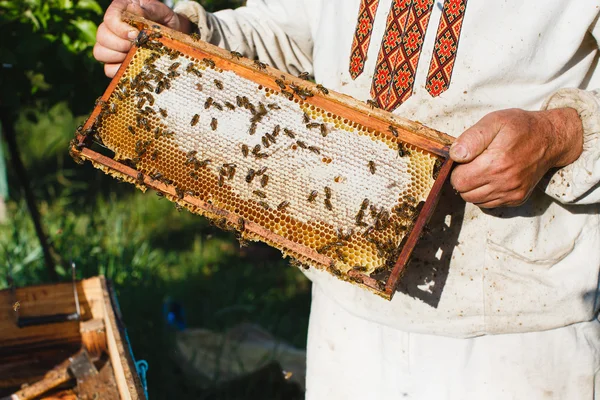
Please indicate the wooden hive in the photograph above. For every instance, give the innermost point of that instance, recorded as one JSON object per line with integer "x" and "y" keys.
{"x": 29, "y": 351}
{"x": 328, "y": 180}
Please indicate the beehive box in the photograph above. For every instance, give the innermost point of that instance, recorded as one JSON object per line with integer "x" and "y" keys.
{"x": 332, "y": 182}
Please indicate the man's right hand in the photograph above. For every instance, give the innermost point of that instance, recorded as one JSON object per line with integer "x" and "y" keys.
{"x": 115, "y": 37}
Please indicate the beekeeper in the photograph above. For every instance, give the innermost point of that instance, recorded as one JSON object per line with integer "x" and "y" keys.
{"x": 501, "y": 299}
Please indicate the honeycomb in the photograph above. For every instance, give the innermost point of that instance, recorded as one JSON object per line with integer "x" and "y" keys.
{"x": 262, "y": 160}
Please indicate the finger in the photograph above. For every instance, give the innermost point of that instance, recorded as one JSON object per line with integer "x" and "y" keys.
{"x": 107, "y": 39}
{"x": 158, "y": 12}
{"x": 480, "y": 195}
{"x": 472, "y": 175}
{"x": 111, "y": 69}
{"x": 108, "y": 56}
{"x": 114, "y": 19}
{"x": 493, "y": 204}
{"x": 475, "y": 140}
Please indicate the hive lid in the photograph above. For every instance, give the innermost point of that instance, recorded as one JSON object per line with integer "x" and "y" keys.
{"x": 328, "y": 180}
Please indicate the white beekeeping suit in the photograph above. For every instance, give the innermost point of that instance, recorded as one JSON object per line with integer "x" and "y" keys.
{"x": 495, "y": 304}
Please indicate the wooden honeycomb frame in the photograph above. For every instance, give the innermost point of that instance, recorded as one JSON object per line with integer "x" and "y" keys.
{"x": 350, "y": 112}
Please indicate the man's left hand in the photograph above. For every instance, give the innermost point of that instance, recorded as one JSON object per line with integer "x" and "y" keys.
{"x": 506, "y": 153}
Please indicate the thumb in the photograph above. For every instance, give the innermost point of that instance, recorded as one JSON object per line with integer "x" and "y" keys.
{"x": 157, "y": 11}
{"x": 474, "y": 140}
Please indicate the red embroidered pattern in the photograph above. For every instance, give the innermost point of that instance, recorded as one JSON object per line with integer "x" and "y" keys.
{"x": 446, "y": 45}
{"x": 362, "y": 36}
{"x": 401, "y": 47}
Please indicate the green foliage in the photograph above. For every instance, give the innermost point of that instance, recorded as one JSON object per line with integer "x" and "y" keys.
{"x": 46, "y": 53}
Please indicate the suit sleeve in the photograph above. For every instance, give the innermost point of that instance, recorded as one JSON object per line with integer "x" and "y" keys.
{"x": 276, "y": 32}
{"x": 579, "y": 182}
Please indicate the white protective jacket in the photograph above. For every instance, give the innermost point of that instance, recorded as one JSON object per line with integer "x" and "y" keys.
{"x": 529, "y": 268}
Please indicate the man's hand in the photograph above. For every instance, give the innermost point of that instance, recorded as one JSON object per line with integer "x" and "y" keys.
{"x": 115, "y": 37}
{"x": 507, "y": 152}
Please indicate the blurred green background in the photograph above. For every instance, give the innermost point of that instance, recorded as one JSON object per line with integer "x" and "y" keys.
{"x": 48, "y": 83}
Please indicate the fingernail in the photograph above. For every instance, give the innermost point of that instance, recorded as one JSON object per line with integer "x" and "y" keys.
{"x": 459, "y": 151}
{"x": 132, "y": 34}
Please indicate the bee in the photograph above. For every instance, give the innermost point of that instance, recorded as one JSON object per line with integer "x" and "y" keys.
{"x": 130, "y": 129}
{"x": 271, "y": 138}
{"x": 322, "y": 89}
{"x": 303, "y": 75}
{"x": 373, "y": 104}
{"x": 289, "y": 133}
{"x": 262, "y": 109}
{"x": 213, "y": 124}
{"x": 410, "y": 199}
{"x": 301, "y": 144}
{"x": 193, "y": 175}
{"x": 209, "y": 62}
{"x": 204, "y": 163}
{"x": 276, "y": 130}
{"x": 163, "y": 112}
{"x": 218, "y": 84}
{"x": 160, "y": 87}
{"x": 256, "y": 149}
{"x": 261, "y": 171}
{"x": 393, "y": 130}
{"x": 273, "y": 106}
{"x": 264, "y": 205}
{"x": 402, "y": 151}
{"x": 256, "y": 118}
{"x": 174, "y": 66}
{"x": 313, "y": 125}
{"x": 323, "y": 248}
{"x": 283, "y": 205}
{"x": 141, "y": 39}
{"x": 154, "y": 155}
{"x": 141, "y": 103}
{"x": 327, "y": 192}
{"x": 364, "y": 204}
{"x": 112, "y": 109}
{"x": 260, "y": 194}
{"x": 217, "y": 106}
{"x": 260, "y": 65}
{"x": 157, "y": 176}
{"x": 261, "y": 155}
{"x": 239, "y": 101}
{"x": 16, "y": 306}
{"x": 245, "y": 150}
{"x": 323, "y": 130}
{"x": 314, "y": 149}
{"x": 334, "y": 270}
{"x": 359, "y": 268}
{"x": 194, "y": 120}
{"x": 312, "y": 196}
{"x": 180, "y": 193}
{"x": 250, "y": 176}
{"x": 289, "y": 95}
{"x": 372, "y": 168}
{"x": 373, "y": 211}
{"x": 265, "y": 141}
{"x": 195, "y": 36}
{"x": 160, "y": 194}
{"x": 359, "y": 218}
{"x": 236, "y": 55}
{"x": 280, "y": 83}
{"x": 252, "y": 129}
{"x": 173, "y": 74}
{"x": 196, "y": 72}
{"x": 340, "y": 255}
{"x": 168, "y": 133}
{"x": 199, "y": 87}
{"x": 264, "y": 180}
{"x": 140, "y": 178}
{"x": 305, "y": 118}
{"x": 221, "y": 180}
{"x": 231, "y": 172}
{"x": 229, "y": 105}
{"x": 178, "y": 207}
{"x": 208, "y": 103}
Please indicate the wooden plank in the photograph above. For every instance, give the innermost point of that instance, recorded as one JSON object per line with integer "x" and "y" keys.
{"x": 128, "y": 383}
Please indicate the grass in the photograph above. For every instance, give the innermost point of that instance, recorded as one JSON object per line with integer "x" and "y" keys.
{"x": 148, "y": 249}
